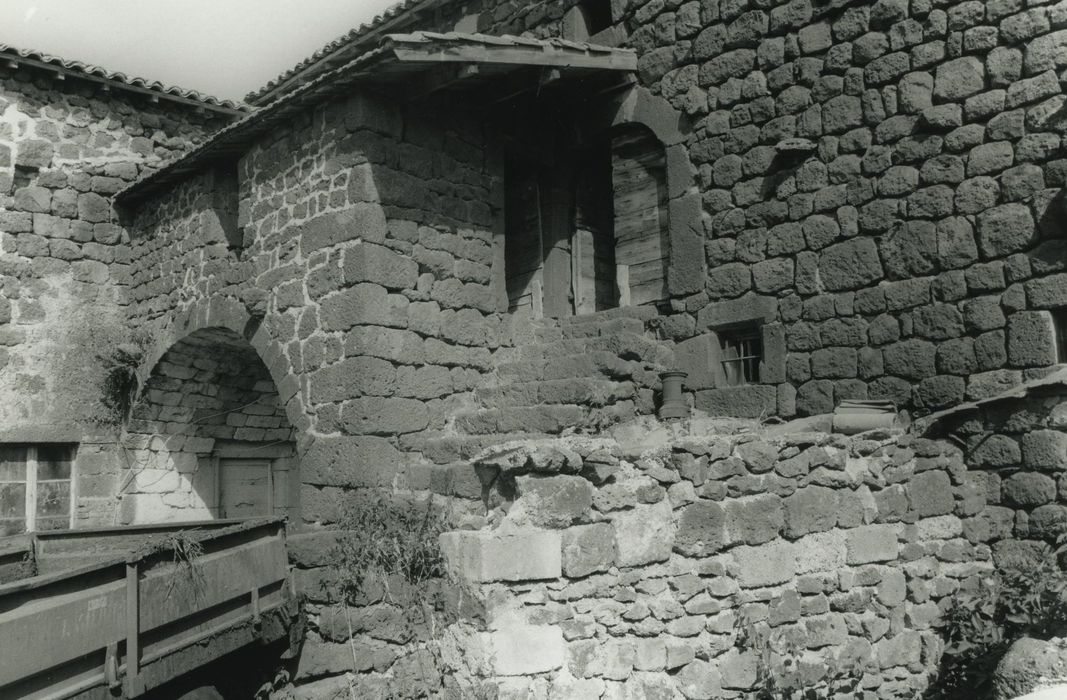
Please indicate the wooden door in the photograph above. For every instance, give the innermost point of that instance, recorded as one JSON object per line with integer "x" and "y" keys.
{"x": 245, "y": 488}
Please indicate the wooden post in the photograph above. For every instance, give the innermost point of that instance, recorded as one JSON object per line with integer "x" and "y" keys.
{"x": 133, "y": 630}
{"x": 622, "y": 282}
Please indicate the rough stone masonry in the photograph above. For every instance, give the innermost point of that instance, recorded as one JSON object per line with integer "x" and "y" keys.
{"x": 873, "y": 191}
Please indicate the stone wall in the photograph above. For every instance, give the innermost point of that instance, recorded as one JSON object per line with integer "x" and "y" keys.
{"x": 910, "y": 241}
{"x": 1016, "y": 448}
{"x": 667, "y": 559}
{"x": 66, "y": 146}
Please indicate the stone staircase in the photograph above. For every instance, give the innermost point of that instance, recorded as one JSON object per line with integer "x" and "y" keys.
{"x": 580, "y": 373}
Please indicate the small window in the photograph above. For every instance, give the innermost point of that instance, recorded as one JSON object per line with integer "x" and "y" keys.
{"x": 742, "y": 351}
{"x": 1059, "y": 324}
{"x": 36, "y": 488}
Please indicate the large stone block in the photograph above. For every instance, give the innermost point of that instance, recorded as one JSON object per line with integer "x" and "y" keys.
{"x": 765, "y": 565}
{"x": 701, "y": 529}
{"x": 361, "y": 221}
{"x": 363, "y": 304}
{"x": 850, "y": 264}
{"x": 872, "y": 543}
{"x": 753, "y": 519}
{"x": 553, "y": 501}
{"x": 350, "y": 461}
{"x": 1045, "y": 450}
{"x": 588, "y": 549}
{"x": 959, "y": 78}
{"x": 810, "y": 509}
{"x": 644, "y": 534}
{"x": 1027, "y": 489}
{"x": 822, "y": 551}
{"x": 1031, "y": 339}
{"x": 367, "y": 262}
{"x": 930, "y": 493}
{"x": 513, "y": 555}
{"x": 384, "y": 416}
{"x": 1006, "y": 229}
{"x": 526, "y": 649}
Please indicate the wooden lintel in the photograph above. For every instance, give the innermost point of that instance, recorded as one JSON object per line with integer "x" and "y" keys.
{"x": 516, "y": 55}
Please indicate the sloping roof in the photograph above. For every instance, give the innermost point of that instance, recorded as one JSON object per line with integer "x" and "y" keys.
{"x": 342, "y": 49}
{"x": 1056, "y": 379}
{"x": 476, "y": 59}
{"x": 15, "y": 57}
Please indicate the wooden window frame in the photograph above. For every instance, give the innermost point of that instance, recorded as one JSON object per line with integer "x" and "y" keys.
{"x": 1059, "y": 333}
{"x": 32, "y": 482}
{"x": 746, "y": 342}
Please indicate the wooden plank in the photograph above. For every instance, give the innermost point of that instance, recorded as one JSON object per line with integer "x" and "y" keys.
{"x": 640, "y": 250}
{"x": 622, "y": 283}
{"x": 532, "y": 56}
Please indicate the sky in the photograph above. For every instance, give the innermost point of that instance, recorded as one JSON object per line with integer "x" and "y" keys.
{"x": 225, "y": 48}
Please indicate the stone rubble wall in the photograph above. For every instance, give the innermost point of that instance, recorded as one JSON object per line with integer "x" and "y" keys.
{"x": 705, "y": 566}
{"x": 65, "y": 149}
{"x": 1016, "y": 448}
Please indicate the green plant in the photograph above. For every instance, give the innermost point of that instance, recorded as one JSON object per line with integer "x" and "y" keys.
{"x": 120, "y": 379}
{"x": 185, "y": 550}
{"x": 1028, "y": 600}
{"x": 778, "y": 673}
{"x": 386, "y": 535}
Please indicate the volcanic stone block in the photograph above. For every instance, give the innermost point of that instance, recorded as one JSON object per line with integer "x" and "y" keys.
{"x": 989, "y": 158}
{"x": 1027, "y": 489}
{"x": 1045, "y": 450}
{"x": 996, "y": 451}
{"x": 384, "y": 416}
{"x": 701, "y": 529}
{"x": 959, "y": 78}
{"x": 850, "y": 264}
{"x": 588, "y": 549}
{"x": 912, "y": 359}
{"x": 810, "y": 509}
{"x": 366, "y": 262}
{"x": 1006, "y": 229}
{"x": 515, "y": 555}
{"x": 1047, "y": 292}
{"x": 753, "y": 519}
{"x": 1031, "y": 339}
{"x": 350, "y": 461}
{"x": 930, "y": 493}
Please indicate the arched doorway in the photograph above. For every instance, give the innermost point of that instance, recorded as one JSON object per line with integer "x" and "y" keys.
{"x": 208, "y": 437}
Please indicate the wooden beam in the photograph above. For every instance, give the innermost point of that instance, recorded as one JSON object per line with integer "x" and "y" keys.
{"x": 442, "y": 79}
{"x": 517, "y": 55}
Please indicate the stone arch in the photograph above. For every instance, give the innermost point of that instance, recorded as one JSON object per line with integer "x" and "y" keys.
{"x": 209, "y": 435}
{"x": 231, "y": 314}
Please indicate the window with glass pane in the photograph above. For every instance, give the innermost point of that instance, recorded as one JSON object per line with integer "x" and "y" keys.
{"x": 35, "y": 488}
{"x": 742, "y": 351}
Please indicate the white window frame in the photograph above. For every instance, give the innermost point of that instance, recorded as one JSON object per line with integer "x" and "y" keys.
{"x": 30, "y": 505}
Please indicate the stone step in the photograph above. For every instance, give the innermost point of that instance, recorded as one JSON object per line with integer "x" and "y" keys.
{"x": 584, "y": 391}
{"x": 550, "y": 419}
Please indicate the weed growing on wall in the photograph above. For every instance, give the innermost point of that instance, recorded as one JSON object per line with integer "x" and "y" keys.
{"x": 1025, "y": 600}
{"x": 120, "y": 379}
{"x": 384, "y": 536}
{"x": 779, "y": 672}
